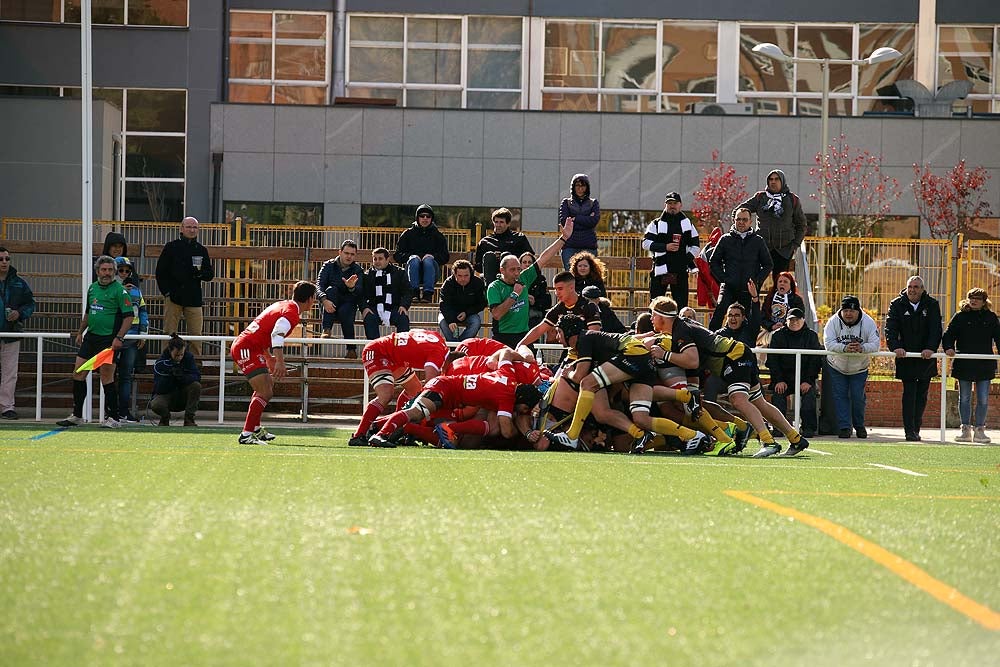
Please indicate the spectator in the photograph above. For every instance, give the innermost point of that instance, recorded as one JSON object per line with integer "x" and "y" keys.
{"x": 609, "y": 320}
{"x": 423, "y": 250}
{"x": 131, "y": 348}
{"x": 107, "y": 319}
{"x": 569, "y": 303}
{"x": 176, "y": 383}
{"x": 183, "y": 266}
{"x": 387, "y": 296}
{"x": 974, "y": 329}
{"x": 780, "y": 220}
{"x": 18, "y": 305}
{"x": 795, "y": 335}
{"x": 673, "y": 240}
{"x": 854, "y": 332}
{"x": 588, "y": 271}
{"x": 740, "y": 325}
{"x": 585, "y": 213}
{"x": 740, "y": 256}
{"x": 506, "y": 296}
{"x": 782, "y": 297}
{"x": 539, "y": 299}
{"x": 708, "y": 287}
{"x": 340, "y": 289}
{"x": 463, "y": 299}
{"x": 115, "y": 246}
{"x": 913, "y": 324}
{"x": 503, "y": 241}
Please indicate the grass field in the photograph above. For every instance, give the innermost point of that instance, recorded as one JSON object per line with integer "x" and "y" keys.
{"x": 179, "y": 547}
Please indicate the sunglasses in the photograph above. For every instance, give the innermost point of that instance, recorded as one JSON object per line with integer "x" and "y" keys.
{"x": 124, "y": 270}
{"x": 423, "y": 215}
{"x": 4, "y": 259}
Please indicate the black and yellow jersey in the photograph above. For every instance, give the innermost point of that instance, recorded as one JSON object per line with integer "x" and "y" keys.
{"x": 599, "y": 346}
{"x": 713, "y": 349}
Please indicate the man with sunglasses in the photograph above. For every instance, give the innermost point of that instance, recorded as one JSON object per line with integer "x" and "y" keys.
{"x": 423, "y": 250}
{"x": 18, "y": 305}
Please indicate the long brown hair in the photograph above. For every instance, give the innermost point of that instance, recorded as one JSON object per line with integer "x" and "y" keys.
{"x": 597, "y": 267}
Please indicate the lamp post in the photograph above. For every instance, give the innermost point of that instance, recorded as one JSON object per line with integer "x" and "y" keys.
{"x": 879, "y": 55}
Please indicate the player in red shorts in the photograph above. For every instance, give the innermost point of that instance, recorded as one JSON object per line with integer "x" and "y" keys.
{"x": 258, "y": 354}
{"x": 389, "y": 361}
{"x": 497, "y": 393}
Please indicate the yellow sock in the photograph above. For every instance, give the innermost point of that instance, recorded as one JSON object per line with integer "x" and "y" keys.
{"x": 635, "y": 431}
{"x": 682, "y": 395}
{"x": 741, "y": 423}
{"x": 765, "y": 437}
{"x": 583, "y": 405}
{"x": 793, "y": 436}
{"x": 669, "y": 427}
{"x": 711, "y": 426}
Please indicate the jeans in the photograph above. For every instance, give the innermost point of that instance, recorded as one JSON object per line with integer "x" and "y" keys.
{"x": 914, "y": 402}
{"x": 126, "y": 365}
{"x": 849, "y": 394}
{"x": 345, "y": 313}
{"x": 396, "y": 319}
{"x": 566, "y": 253}
{"x": 808, "y": 406}
{"x": 965, "y": 401}
{"x": 473, "y": 323}
{"x": 422, "y": 273}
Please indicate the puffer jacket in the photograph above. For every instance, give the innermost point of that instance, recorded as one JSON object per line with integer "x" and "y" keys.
{"x": 737, "y": 259}
{"x": 586, "y": 213}
{"x": 16, "y": 295}
{"x": 973, "y": 332}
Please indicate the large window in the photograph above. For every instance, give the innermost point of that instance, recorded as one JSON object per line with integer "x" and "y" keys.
{"x": 279, "y": 57}
{"x": 797, "y": 88}
{"x": 107, "y": 12}
{"x": 470, "y": 62}
{"x": 273, "y": 213}
{"x": 969, "y": 53}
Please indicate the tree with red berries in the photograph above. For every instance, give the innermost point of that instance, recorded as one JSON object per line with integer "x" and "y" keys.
{"x": 721, "y": 190}
{"x": 950, "y": 203}
{"x": 858, "y": 195}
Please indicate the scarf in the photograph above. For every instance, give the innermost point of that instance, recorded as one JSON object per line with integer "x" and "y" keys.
{"x": 383, "y": 292}
{"x": 774, "y": 204}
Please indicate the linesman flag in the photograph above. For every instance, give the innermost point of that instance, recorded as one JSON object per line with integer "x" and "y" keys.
{"x": 103, "y": 357}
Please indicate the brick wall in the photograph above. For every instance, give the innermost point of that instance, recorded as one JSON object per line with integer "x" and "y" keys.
{"x": 885, "y": 400}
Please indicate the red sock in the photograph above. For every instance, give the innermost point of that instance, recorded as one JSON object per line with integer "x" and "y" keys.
{"x": 256, "y": 409}
{"x": 373, "y": 410}
{"x": 421, "y": 433}
{"x": 396, "y": 420}
{"x": 401, "y": 401}
{"x": 470, "y": 427}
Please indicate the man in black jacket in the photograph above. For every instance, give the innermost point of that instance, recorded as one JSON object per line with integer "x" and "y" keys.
{"x": 183, "y": 266}
{"x": 423, "y": 250}
{"x": 503, "y": 241}
{"x": 740, "y": 256}
{"x": 673, "y": 240}
{"x": 914, "y": 325}
{"x": 795, "y": 335}
{"x": 387, "y": 296}
{"x": 339, "y": 291}
{"x": 176, "y": 383}
{"x": 463, "y": 299}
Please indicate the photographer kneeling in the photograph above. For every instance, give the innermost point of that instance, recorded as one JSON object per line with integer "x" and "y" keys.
{"x": 176, "y": 383}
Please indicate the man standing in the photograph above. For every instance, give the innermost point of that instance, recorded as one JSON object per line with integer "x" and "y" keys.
{"x": 423, "y": 250}
{"x": 780, "y": 220}
{"x": 387, "y": 296}
{"x": 914, "y": 325}
{"x": 463, "y": 299}
{"x": 259, "y": 354}
{"x": 18, "y": 305}
{"x": 503, "y": 241}
{"x": 740, "y": 256}
{"x": 673, "y": 240}
{"x": 854, "y": 332}
{"x": 183, "y": 265}
{"x": 339, "y": 288}
{"x": 107, "y": 319}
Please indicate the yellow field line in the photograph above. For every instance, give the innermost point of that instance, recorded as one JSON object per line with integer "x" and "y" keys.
{"x": 848, "y": 494}
{"x": 902, "y": 568}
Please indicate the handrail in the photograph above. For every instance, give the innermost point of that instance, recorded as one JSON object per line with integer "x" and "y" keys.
{"x": 223, "y": 364}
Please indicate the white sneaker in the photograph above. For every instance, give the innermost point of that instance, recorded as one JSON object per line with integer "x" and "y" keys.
{"x": 980, "y": 436}
{"x": 72, "y": 420}
{"x": 110, "y": 422}
{"x": 966, "y": 435}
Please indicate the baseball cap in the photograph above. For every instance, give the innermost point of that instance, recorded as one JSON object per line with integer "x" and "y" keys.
{"x": 795, "y": 313}
{"x": 673, "y": 196}
{"x": 591, "y": 292}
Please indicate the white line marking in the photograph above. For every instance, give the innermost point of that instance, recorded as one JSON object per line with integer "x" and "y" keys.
{"x": 819, "y": 451}
{"x": 895, "y": 469}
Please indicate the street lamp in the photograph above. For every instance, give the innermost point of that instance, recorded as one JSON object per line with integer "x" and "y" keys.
{"x": 879, "y": 55}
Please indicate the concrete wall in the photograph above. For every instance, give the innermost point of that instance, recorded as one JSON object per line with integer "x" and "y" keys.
{"x": 40, "y": 157}
{"x": 345, "y": 157}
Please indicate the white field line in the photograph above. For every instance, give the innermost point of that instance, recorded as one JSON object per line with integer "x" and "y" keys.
{"x": 895, "y": 469}
{"x": 819, "y": 451}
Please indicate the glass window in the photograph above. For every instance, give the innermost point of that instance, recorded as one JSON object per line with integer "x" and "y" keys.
{"x": 876, "y": 80}
{"x": 154, "y": 156}
{"x": 824, "y": 42}
{"x": 690, "y": 54}
{"x": 30, "y": 10}
{"x": 30, "y": 91}
{"x": 111, "y": 12}
{"x": 156, "y": 111}
{"x": 158, "y": 12}
{"x": 275, "y": 213}
{"x": 758, "y": 72}
{"x": 965, "y": 53}
{"x": 629, "y": 56}
{"x": 154, "y": 200}
{"x": 494, "y": 55}
{"x": 434, "y": 51}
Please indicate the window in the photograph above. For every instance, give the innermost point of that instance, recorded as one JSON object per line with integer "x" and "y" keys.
{"x": 279, "y": 57}
{"x": 131, "y": 12}
{"x": 690, "y": 57}
{"x": 470, "y": 62}
{"x": 969, "y": 53}
{"x": 274, "y": 213}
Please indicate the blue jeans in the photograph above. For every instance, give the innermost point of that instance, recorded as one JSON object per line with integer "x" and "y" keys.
{"x": 396, "y": 319}
{"x": 849, "y": 394}
{"x": 422, "y": 273}
{"x": 345, "y": 314}
{"x": 473, "y": 323}
{"x": 965, "y": 401}
{"x": 126, "y": 365}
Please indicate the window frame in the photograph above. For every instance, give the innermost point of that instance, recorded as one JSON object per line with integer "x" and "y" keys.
{"x": 993, "y": 97}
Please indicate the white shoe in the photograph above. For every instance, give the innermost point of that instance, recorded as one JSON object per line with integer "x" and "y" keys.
{"x": 979, "y": 435}
{"x": 966, "y": 435}
{"x": 72, "y": 420}
{"x": 110, "y": 422}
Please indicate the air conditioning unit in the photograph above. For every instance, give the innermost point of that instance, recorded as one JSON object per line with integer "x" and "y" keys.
{"x": 724, "y": 108}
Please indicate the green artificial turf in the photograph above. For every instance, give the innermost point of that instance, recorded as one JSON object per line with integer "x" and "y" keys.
{"x": 180, "y": 547}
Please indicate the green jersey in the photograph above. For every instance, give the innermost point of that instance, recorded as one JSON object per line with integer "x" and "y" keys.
{"x": 107, "y": 306}
{"x": 516, "y": 319}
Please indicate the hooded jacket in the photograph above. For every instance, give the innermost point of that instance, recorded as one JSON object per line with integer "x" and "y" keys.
{"x": 175, "y": 274}
{"x": 914, "y": 330}
{"x": 420, "y": 241}
{"x": 973, "y": 332}
{"x": 782, "y": 231}
{"x": 737, "y": 259}
{"x": 586, "y": 213}
{"x": 113, "y": 238}
{"x": 16, "y": 295}
{"x": 838, "y": 334}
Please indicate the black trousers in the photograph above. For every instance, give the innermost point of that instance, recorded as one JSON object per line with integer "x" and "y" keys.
{"x": 727, "y": 298}
{"x": 678, "y": 290}
{"x": 779, "y": 264}
{"x": 914, "y": 402}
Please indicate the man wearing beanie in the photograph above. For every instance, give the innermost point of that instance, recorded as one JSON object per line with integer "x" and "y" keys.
{"x": 423, "y": 250}
{"x": 853, "y": 333}
{"x": 795, "y": 335}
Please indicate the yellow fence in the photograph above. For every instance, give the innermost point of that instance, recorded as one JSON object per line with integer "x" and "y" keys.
{"x": 981, "y": 268}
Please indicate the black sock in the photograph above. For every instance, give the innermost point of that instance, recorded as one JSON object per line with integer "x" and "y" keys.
{"x": 111, "y": 400}
{"x": 79, "y": 394}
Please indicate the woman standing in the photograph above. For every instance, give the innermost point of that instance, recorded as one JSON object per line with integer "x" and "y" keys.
{"x": 585, "y": 212}
{"x": 974, "y": 329}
